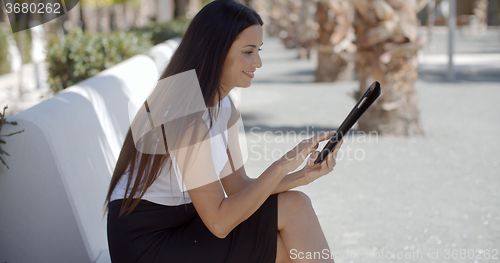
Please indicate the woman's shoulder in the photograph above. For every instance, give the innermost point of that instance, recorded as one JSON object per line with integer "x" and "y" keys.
{"x": 227, "y": 102}
{"x": 225, "y": 110}
{"x": 234, "y": 113}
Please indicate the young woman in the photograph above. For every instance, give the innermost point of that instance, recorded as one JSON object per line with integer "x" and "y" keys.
{"x": 222, "y": 215}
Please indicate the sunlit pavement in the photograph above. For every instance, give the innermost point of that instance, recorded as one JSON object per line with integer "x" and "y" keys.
{"x": 420, "y": 198}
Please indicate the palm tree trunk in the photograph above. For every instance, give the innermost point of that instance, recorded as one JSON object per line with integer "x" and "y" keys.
{"x": 335, "y": 35}
{"x": 262, "y": 8}
{"x": 181, "y": 8}
{"x": 3, "y": 15}
{"x": 129, "y": 14}
{"x": 89, "y": 14}
{"x": 293, "y": 21}
{"x": 23, "y": 21}
{"x": 145, "y": 10}
{"x": 276, "y": 19}
{"x": 284, "y": 16}
{"x": 74, "y": 16}
{"x": 193, "y": 7}
{"x": 165, "y": 12}
{"x": 387, "y": 46}
{"x": 307, "y": 27}
{"x": 481, "y": 12}
{"x": 104, "y": 19}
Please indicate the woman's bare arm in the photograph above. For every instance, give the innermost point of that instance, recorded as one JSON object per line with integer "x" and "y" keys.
{"x": 222, "y": 214}
{"x": 237, "y": 180}
{"x": 219, "y": 213}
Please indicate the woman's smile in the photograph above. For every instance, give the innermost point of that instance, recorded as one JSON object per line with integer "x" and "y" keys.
{"x": 249, "y": 74}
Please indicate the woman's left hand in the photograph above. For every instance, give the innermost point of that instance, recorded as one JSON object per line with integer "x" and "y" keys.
{"x": 314, "y": 171}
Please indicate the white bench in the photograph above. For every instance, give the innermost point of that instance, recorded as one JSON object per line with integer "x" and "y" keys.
{"x": 162, "y": 53}
{"x": 51, "y": 198}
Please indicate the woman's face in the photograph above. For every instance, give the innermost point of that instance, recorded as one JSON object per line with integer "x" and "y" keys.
{"x": 242, "y": 59}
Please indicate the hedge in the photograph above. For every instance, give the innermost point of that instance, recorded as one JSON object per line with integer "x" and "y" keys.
{"x": 81, "y": 55}
{"x": 164, "y": 31}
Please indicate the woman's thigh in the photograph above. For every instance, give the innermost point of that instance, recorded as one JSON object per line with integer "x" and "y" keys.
{"x": 145, "y": 236}
{"x": 282, "y": 254}
{"x": 154, "y": 233}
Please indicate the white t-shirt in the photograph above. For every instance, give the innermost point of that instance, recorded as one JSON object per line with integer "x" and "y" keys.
{"x": 166, "y": 190}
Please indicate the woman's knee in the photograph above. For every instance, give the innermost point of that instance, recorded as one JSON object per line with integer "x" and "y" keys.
{"x": 291, "y": 204}
{"x": 294, "y": 201}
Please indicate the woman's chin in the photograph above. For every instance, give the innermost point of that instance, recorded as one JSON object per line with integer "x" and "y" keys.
{"x": 246, "y": 85}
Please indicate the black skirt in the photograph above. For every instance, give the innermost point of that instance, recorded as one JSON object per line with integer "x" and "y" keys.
{"x": 159, "y": 233}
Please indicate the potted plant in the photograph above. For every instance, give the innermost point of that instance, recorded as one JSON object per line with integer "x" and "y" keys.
{"x": 3, "y": 121}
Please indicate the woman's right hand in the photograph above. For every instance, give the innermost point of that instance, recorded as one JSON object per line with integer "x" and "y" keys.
{"x": 294, "y": 158}
{"x": 313, "y": 171}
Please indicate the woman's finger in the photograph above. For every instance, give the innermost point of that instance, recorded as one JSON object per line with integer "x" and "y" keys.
{"x": 333, "y": 160}
{"x": 309, "y": 149}
{"x": 329, "y": 163}
{"x": 321, "y": 136}
{"x": 325, "y": 166}
{"x": 326, "y": 163}
{"x": 312, "y": 158}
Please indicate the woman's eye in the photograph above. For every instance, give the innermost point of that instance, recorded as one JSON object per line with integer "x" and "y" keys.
{"x": 250, "y": 51}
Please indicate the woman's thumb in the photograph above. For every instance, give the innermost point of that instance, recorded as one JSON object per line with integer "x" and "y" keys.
{"x": 312, "y": 158}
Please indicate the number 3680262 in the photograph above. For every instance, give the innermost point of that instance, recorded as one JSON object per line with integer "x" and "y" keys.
{"x": 33, "y": 8}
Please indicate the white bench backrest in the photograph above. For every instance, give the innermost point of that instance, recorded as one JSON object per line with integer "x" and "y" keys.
{"x": 52, "y": 196}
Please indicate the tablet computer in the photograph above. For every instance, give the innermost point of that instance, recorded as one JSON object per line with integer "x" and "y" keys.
{"x": 371, "y": 94}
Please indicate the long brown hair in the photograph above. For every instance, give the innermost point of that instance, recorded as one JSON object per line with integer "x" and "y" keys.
{"x": 204, "y": 48}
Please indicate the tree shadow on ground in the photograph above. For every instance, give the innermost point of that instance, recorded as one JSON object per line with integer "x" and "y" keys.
{"x": 487, "y": 76}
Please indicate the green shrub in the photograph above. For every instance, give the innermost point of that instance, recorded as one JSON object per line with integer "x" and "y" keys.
{"x": 4, "y": 63}
{"x": 81, "y": 55}
{"x": 165, "y": 31}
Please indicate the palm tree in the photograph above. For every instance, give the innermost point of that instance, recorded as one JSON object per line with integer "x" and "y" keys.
{"x": 283, "y": 19}
{"x": 187, "y": 8}
{"x": 3, "y": 16}
{"x": 387, "y": 46}
{"x": 335, "y": 41}
{"x": 481, "y": 12}
{"x": 127, "y": 13}
{"x": 294, "y": 22}
{"x": 260, "y": 6}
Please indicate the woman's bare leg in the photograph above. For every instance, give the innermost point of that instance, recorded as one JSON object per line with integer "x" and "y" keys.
{"x": 282, "y": 254}
{"x": 300, "y": 230}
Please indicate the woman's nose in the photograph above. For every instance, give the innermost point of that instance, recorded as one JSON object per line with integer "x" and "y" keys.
{"x": 257, "y": 62}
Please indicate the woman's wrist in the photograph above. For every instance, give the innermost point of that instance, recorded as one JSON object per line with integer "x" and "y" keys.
{"x": 302, "y": 177}
{"x": 296, "y": 179}
{"x": 280, "y": 169}
{"x": 291, "y": 181}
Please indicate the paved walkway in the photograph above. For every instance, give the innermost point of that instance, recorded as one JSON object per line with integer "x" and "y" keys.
{"x": 437, "y": 194}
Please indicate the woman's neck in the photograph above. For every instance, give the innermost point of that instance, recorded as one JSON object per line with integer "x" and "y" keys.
{"x": 223, "y": 93}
